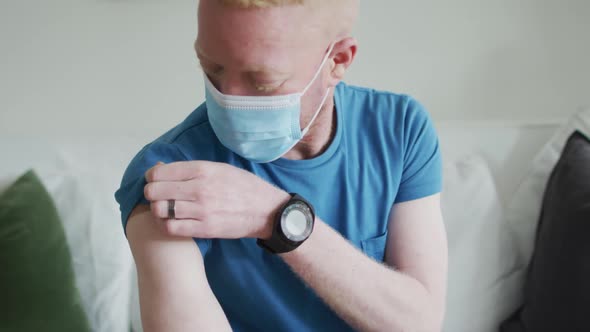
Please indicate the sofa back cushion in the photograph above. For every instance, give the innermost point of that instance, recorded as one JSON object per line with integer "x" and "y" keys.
{"x": 480, "y": 283}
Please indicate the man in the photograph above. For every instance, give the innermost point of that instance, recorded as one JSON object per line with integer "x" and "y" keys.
{"x": 288, "y": 201}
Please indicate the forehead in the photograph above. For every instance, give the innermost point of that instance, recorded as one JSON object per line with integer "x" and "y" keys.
{"x": 249, "y": 35}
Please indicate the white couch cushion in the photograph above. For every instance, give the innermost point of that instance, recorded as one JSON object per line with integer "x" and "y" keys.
{"x": 135, "y": 310}
{"x": 507, "y": 147}
{"x": 101, "y": 255}
{"x": 480, "y": 252}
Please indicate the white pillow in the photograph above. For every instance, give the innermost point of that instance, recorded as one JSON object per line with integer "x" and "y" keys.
{"x": 524, "y": 210}
{"x": 134, "y": 310}
{"x": 480, "y": 249}
{"x": 107, "y": 277}
{"x": 101, "y": 256}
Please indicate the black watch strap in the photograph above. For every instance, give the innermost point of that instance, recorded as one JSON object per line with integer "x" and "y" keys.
{"x": 276, "y": 246}
{"x": 278, "y": 243}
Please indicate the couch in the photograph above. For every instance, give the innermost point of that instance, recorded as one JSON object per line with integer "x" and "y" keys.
{"x": 484, "y": 165}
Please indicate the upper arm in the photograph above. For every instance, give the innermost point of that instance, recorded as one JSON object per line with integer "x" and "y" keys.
{"x": 417, "y": 245}
{"x": 173, "y": 288}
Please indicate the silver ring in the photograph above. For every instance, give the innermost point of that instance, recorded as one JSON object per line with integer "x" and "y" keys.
{"x": 171, "y": 209}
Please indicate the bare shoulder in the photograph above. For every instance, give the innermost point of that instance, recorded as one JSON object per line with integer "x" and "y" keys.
{"x": 151, "y": 247}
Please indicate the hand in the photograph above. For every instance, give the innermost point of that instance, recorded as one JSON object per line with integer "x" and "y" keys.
{"x": 212, "y": 200}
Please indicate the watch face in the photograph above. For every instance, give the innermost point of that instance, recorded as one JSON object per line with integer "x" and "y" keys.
{"x": 296, "y": 222}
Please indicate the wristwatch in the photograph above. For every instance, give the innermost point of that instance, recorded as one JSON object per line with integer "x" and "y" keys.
{"x": 293, "y": 225}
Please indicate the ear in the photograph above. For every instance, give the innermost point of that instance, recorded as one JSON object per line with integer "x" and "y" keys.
{"x": 343, "y": 55}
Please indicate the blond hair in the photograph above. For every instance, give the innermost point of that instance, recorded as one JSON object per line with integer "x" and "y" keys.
{"x": 345, "y": 10}
{"x": 260, "y": 3}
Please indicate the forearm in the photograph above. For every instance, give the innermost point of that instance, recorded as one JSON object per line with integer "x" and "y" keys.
{"x": 368, "y": 295}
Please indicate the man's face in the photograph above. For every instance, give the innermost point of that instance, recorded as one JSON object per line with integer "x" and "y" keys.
{"x": 253, "y": 52}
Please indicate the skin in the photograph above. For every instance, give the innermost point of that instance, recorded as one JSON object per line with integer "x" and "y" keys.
{"x": 266, "y": 52}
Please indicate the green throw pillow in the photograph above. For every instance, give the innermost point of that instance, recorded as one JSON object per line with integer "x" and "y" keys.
{"x": 37, "y": 285}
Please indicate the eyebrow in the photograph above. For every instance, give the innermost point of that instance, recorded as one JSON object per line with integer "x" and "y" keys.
{"x": 254, "y": 71}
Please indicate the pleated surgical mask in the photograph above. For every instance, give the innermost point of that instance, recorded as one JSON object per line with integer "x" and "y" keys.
{"x": 259, "y": 128}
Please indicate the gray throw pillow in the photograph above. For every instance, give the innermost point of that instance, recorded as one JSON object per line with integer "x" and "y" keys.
{"x": 557, "y": 287}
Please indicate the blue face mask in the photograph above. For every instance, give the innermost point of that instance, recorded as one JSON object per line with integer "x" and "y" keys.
{"x": 259, "y": 128}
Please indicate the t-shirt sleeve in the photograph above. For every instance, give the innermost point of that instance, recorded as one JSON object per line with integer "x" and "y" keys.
{"x": 130, "y": 193}
{"x": 422, "y": 162}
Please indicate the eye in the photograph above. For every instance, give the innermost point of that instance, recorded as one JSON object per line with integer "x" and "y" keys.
{"x": 211, "y": 70}
{"x": 264, "y": 88}
{"x": 216, "y": 70}
{"x": 267, "y": 87}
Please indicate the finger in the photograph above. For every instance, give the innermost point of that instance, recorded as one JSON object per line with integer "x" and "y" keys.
{"x": 164, "y": 191}
{"x": 151, "y": 169}
{"x": 182, "y": 209}
{"x": 187, "y": 228}
{"x": 178, "y": 171}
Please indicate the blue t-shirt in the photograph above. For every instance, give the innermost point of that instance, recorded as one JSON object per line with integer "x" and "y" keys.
{"x": 385, "y": 151}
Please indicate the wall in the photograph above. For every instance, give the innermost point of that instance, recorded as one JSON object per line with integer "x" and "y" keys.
{"x": 92, "y": 67}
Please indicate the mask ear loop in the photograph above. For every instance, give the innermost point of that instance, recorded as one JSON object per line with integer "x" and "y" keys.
{"x": 317, "y": 73}
{"x": 317, "y": 112}
{"x": 304, "y": 131}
